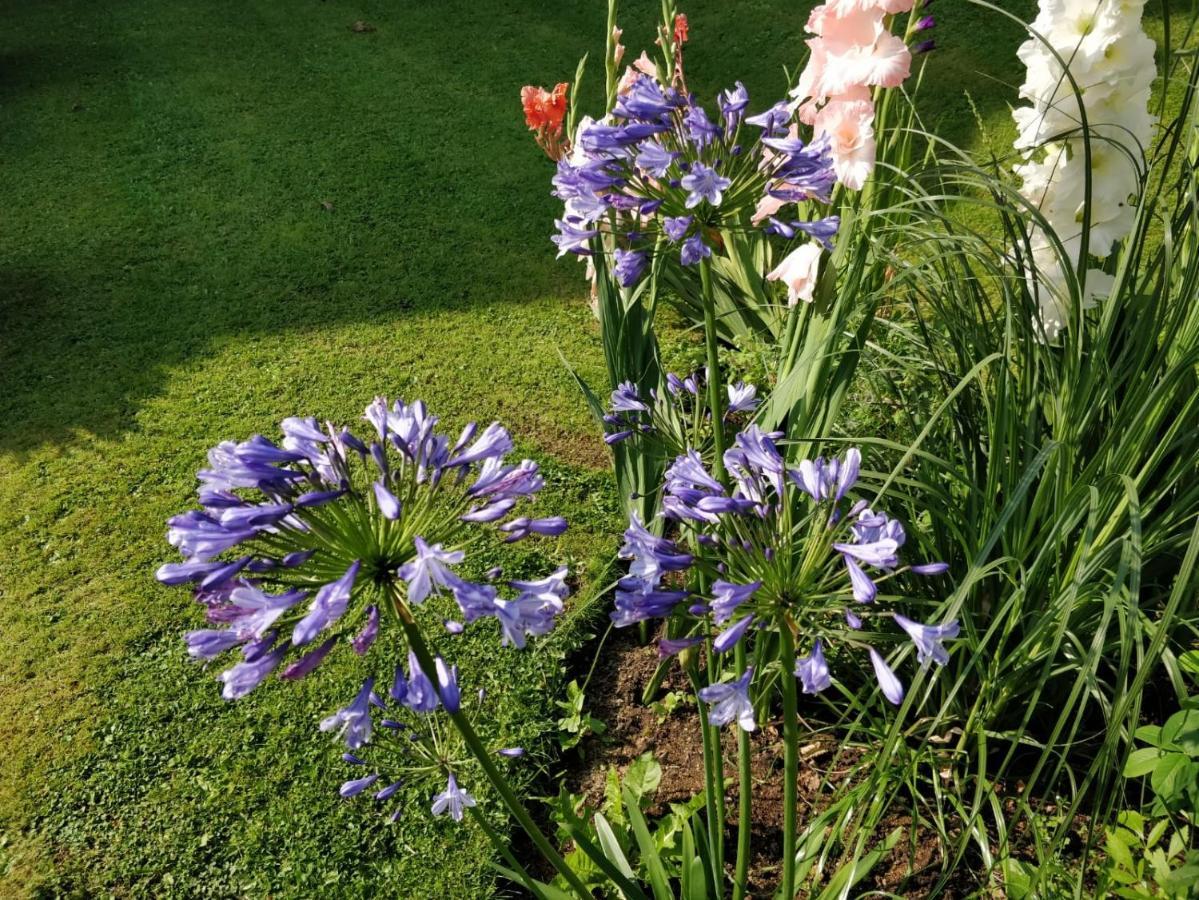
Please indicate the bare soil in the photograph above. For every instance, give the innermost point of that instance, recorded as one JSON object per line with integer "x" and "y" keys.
{"x": 614, "y": 694}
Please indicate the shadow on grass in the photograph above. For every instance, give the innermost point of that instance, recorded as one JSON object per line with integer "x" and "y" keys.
{"x": 246, "y": 171}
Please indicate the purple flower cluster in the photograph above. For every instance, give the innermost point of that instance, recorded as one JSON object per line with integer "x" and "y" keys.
{"x": 657, "y": 166}
{"x": 776, "y": 551}
{"x": 296, "y": 545}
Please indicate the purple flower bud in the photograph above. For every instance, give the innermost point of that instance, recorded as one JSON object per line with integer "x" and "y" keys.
{"x": 935, "y": 568}
{"x": 298, "y": 558}
{"x": 668, "y": 647}
{"x": 389, "y": 506}
{"x": 512, "y": 752}
{"x": 363, "y": 640}
{"x": 518, "y": 529}
{"x": 447, "y": 682}
{"x": 356, "y": 786}
{"x": 864, "y": 590}
{"x": 209, "y": 643}
{"x": 352, "y": 759}
{"x": 389, "y": 790}
{"x": 319, "y": 498}
{"x": 730, "y": 636}
{"x": 891, "y": 686}
{"x": 309, "y": 661}
{"x": 925, "y": 47}
{"x": 247, "y": 675}
{"x": 454, "y": 627}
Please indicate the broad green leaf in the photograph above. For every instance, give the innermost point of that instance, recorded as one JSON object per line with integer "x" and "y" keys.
{"x": 1118, "y": 850}
{"x": 1170, "y": 776}
{"x": 1017, "y": 879}
{"x": 1150, "y": 734}
{"x": 1156, "y": 832}
{"x": 1142, "y": 762}
{"x": 1182, "y": 731}
{"x": 643, "y": 776}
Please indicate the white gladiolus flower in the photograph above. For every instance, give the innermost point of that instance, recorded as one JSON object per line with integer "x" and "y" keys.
{"x": 1111, "y": 62}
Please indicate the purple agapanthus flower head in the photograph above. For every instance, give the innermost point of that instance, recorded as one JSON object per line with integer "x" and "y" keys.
{"x": 704, "y": 184}
{"x": 630, "y": 266}
{"x": 812, "y": 671}
{"x": 733, "y": 103}
{"x": 700, "y": 130}
{"x": 693, "y": 251}
{"x": 323, "y": 509}
{"x": 928, "y": 639}
{"x": 729, "y": 701}
{"x": 452, "y": 801}
{"x": 742, "y": 397}
{"x": 353, "y": 721}
{"x": 676, "y": 228}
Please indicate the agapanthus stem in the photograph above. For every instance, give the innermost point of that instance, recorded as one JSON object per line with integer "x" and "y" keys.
{"x": 713, "y": 787}
{"x": 715, "y": 404}
{"x": 479, "y": 751}
{"x": 745, "y": 795}
{"x": 790, "y": 757}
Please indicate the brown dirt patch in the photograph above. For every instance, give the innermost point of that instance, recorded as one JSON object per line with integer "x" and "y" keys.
{"x": 614, "y": 696}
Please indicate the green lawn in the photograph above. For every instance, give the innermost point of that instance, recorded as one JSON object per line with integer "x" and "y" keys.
{"x": 221, "y": 213}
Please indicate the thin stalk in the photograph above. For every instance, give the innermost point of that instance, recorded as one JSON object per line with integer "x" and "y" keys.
{"x": 713, "y": 789}
{"x": 714, "y": 382}
{"x": 517, "y": 809}
{"x": 790, "y": 758}
{"x": 744, "y": 788}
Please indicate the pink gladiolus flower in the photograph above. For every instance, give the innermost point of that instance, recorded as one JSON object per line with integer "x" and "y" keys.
{"x": 840, "y": 7}
{"x": 645, "y": 65}
{"x": 849, "y": 125}
{"x": 767, "y": 207}
{"x": 799, "y": 271}
{"x": 861, "y": 51}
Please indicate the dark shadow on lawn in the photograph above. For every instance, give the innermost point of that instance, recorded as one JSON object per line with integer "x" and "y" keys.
{"x": 249, "y": 169}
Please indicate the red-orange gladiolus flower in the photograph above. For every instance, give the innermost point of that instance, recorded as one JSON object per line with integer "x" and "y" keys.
{"x": 680, "y": 29}
{"x": 544, "y": 109}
